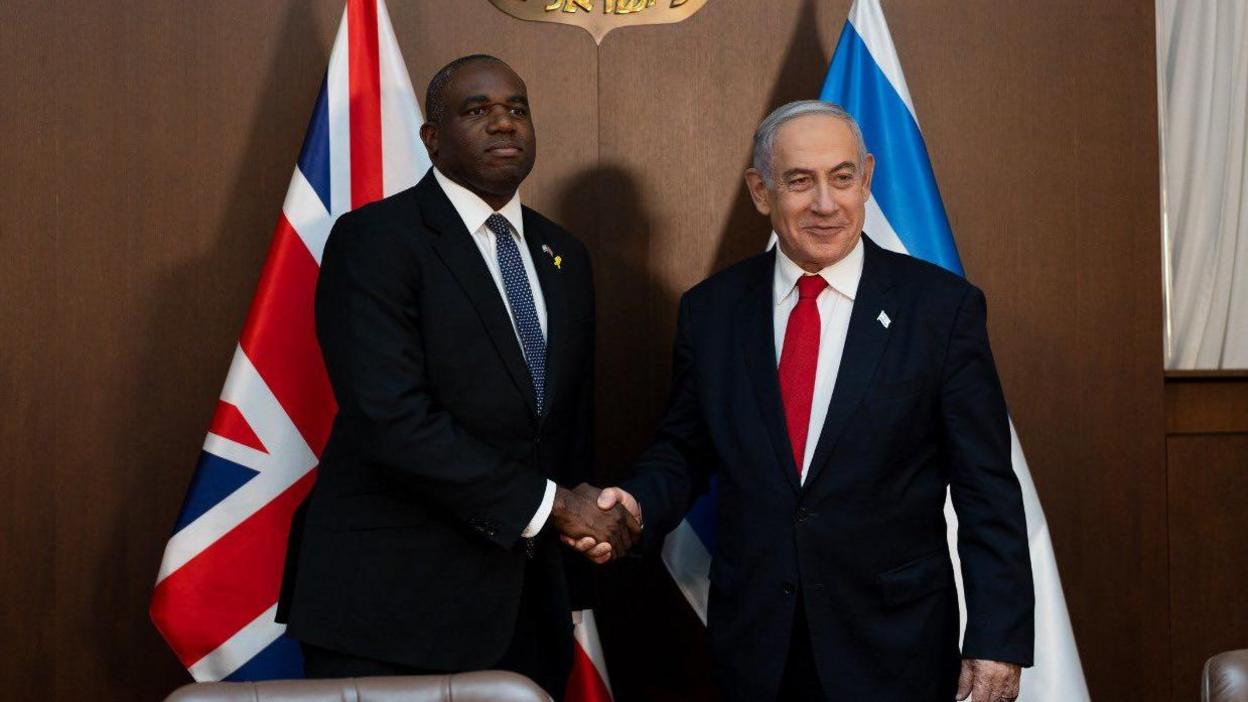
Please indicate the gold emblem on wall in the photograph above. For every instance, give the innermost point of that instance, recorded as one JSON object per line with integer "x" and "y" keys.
{"x": 601, "y": 16}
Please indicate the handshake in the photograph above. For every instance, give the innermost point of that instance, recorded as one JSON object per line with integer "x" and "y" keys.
{"x": 602, "y": 524}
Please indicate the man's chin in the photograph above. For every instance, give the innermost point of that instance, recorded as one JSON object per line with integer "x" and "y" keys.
{"x": 505, "y": 176}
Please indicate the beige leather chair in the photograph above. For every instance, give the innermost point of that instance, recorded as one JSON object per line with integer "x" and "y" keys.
{"x": 481, "y": 686}
{"x": 1225, "y": 678}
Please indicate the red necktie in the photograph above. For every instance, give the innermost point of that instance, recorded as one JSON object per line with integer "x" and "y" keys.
{"x": 798, "y": 360}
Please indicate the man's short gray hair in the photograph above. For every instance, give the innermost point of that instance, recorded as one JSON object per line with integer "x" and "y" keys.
{"x": 765, "y": 136}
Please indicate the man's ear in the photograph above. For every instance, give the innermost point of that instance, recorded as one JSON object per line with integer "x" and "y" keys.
{"x": 429, "y": 135}
{"x": 758, "y": 191}
{"x": 868, "y": 170}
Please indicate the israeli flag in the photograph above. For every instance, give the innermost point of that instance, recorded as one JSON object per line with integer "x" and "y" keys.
{"x": 905, "y": 214}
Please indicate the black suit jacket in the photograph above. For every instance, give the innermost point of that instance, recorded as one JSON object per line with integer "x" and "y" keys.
{"x": 917, "y": 408}
{"x": 410, "y": 549}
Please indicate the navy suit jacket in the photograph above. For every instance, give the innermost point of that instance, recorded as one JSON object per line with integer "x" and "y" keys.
{"x": 409, "y": 551}
{"x": 861, "y": 544}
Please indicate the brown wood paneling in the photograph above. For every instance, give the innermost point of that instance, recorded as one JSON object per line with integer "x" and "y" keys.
{"x": 1041, "y": 124}
{"x": 163, "y": 145}
{"x": 148, "y": 147}
{"x": 1208, "y": 487}
{"x": 28, "y": 432}
{"x": 1207, "y": 405}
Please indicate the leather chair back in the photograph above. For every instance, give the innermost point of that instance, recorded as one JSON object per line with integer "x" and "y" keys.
{"x": 480, "y": 686}
{"x": 1225, "y": 678}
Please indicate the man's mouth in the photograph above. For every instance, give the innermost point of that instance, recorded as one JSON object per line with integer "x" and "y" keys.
{"x": 505, "y": 150}
{"x": 824, "y": 229}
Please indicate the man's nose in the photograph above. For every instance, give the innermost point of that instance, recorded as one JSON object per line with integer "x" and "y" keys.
{"x": 500, "y": 120}
{"x": 824, "y": 202}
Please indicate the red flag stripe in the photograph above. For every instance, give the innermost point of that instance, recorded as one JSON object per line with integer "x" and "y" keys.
{"x": 365, "y": 110}
{"x": 584, "y": 683}
{"x": 230, "y": 583}
{"x": 280, "y": 337}
{"x": 228, "y": 423}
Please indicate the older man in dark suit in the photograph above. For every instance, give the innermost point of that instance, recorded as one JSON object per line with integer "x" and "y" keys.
{"x": 838, "y": 390}
{"x": 458, "y": 329}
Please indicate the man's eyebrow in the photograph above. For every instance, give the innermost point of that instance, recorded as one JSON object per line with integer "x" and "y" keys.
{"x": 795, "y": 171}
{"x": 478, "y": 99}
{"x": 845, "y": 164}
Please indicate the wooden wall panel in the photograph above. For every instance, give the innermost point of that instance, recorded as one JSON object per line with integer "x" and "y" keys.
{"x": 148, "y": 148}
{"x": 1208, "y": 552}
{"x": 1207, "y": 471}
{"x": 1042, "y": 129}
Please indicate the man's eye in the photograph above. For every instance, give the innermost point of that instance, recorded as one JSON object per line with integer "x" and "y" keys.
{"x": 476, "y": 111}
{"x": 844, "y": 178}
{"x": 799, "y": 183}
{"x": 519, "y": 112}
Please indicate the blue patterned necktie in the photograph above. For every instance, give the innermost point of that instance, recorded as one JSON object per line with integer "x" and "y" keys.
{"x": 520, "y": 299}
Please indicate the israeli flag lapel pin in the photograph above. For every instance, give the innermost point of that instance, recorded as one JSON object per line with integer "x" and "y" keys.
{"x": 883, "y": 319}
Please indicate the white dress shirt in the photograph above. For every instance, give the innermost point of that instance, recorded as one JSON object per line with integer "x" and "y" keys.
{"x": 835, "y": 303}
{"x": 474, "y": 211}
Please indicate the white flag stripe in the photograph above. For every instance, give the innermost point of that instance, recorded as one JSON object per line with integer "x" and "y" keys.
{"x": 403, "y": 155}
{"x": 306, "y": 213}
{"x": 235, "y": 452}
{"x": 868, "y": 20}
{"x": 880, "y": 230}
{"x": 288, "y": 458}
{"x": 689, "y": 564}
{"x": 287, "y": 451}
{"x": 338, "y": 96}
{"x": 585, "y": 631}
{"x": 239, "y": 648}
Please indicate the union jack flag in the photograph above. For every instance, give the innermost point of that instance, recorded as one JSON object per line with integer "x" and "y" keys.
{"x": 216, "y": 594}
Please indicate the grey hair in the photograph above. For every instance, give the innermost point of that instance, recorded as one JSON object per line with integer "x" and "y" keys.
{"x": 765, "y": 135}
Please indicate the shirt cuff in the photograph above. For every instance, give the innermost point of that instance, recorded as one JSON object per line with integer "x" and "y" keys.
{"x": 542, "y": 514}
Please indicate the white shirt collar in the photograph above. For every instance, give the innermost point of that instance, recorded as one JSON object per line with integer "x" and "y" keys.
{"x": 842, "y": 276}
{"x": 473, "y": 210}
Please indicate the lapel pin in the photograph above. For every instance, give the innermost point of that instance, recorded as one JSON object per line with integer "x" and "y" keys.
{"x": 884, "y": 320}
{"x": 557, "y": 259}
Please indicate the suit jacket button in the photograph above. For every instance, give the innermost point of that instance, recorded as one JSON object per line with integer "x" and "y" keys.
{"x": 801, "y": 515}
{"x": 789, "y": 589}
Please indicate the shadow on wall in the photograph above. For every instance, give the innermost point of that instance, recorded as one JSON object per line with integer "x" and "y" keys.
{"x": 800, "y": 78}
{"x": 156, "y": 451}
{"x": 603, "y": 206}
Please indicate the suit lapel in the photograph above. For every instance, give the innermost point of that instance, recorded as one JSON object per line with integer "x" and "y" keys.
{"x": 555, "y": 292}
{"x": 455, "y": 247}
{"x": 756, "y": 334}
{"x": 864, "y": 345}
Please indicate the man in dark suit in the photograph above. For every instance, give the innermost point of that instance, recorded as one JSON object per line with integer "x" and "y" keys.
{"x": 457, "y": 328}
{"x": 837, "y": 390}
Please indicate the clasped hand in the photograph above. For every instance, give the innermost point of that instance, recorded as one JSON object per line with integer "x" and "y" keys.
{"x": 596, "y": 522}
